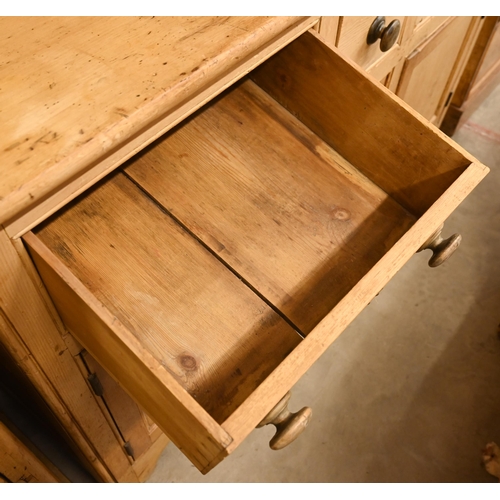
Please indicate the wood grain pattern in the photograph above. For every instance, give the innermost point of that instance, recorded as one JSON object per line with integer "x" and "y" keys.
{"x": 479, "y": 77}
{"x": 364, "y": 122}
{"x": 34, "y": 340}
{"x": 353, "y": 31}
{"x": 19, "y": 464}
{"x": 251, "y": 182}
{"x": 328, "y": 28}
{"x": 417, "y": 28}
{"x": 146, "y": 464}
{"x": 428, "y": 69}
{"x": 267, "y": 196}
{"x": 126, "y": 414}
{"x": 269, "y": 393}
{"x": 153, "y": 387}
{"x": 152, "y": 276}
{"x": 93, "y": 84}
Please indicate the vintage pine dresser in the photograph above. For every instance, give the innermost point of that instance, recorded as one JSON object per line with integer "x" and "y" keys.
{"x": 193, "y": 209}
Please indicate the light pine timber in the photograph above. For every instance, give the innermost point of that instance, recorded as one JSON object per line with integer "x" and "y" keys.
{"x": 34, "y": 340}
{"x": 213, "y": 334}
{"x": 142, "y": 257}
{"x": 270, "y": 199}
{"x": 276, "y": 397}
{"x": 418, "y": 28}
{"x": 126, "y": 414}
{"x": 480, "y": 75}
{"x": 427, "y": 70}
{"x": 328, "y": 28}
{"x": 463, "y": 56}
{"x": 145, "y": 465}
{"x": 269, "y": 393}
{"x": 351, "y": 40}
{"x": 364, "y": 122}
{"x": 61, "y": 133}
{"x": 19, "y": 464}
{"x": 191, "y": 429}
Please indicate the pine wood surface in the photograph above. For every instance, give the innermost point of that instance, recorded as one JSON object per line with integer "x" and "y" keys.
{"x": 265, "y": 194}
{"x": 418, "y": 28}
{"x": 429, "y": 67}
{"x": 34, "y": 340}
{"x": 19, "y": 464}
{"x": 269, "y": 393}
{"x": 211, "y": 332}
{"x": 376, "y": 132}
{"x": 424, "y": 171}
{"x": 127, "y": 416}
{"x": 480, "y": 76}
{"x": 145, "y": 465}
{"x": 491, "y": 59}
{"x": 74, "y": 90}
{"x": 351, "y": 39}
{"x": 144, "y": 378}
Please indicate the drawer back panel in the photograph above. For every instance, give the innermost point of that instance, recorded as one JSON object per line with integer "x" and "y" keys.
{"x": 355, "y": 115}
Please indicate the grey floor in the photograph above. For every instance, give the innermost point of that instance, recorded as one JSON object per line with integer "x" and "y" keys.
{"x": 410, "y": 392}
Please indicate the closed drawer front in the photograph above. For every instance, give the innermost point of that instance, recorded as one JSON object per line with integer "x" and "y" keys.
{"x": 353, "y": 38}
{"x": 211, "y": 271}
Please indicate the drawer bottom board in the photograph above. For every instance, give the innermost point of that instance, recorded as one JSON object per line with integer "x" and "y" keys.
{"x": 273, "y": 201}
{"x": 210, "y": 331}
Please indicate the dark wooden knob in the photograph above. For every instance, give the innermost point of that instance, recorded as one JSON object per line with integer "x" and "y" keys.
{"x": 441, "y": 249}
{"x": 388, "y": 34}
{"x": 288, "y": 425}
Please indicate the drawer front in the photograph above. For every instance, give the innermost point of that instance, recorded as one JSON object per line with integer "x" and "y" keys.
{"x": 210, "y": 272}
{"x": 352, "y": 40}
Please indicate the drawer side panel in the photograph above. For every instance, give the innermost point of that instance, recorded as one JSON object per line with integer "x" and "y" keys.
{"x": 139, "y": 373}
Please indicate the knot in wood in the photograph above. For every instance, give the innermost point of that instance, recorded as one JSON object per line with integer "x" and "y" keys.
{"x": 340, "y": 213}
{"x": 188, "y": 362}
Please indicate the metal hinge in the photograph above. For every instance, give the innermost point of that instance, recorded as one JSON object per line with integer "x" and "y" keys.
{"x": 129, "y": 449}
{"x": 96, "y": 385}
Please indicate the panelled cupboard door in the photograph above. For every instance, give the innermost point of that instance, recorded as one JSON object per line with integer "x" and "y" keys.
{"x": 418, "y": 28}
{"x": 136, "y": 428}
{"x": 426, "y": 78}
{"x": 210, "y": 272}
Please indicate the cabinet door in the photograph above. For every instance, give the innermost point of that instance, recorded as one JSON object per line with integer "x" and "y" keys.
{"x": 138, "y": 431}
{"x": 428, "y": 71}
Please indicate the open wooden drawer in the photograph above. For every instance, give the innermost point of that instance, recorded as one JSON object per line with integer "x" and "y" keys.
{"x": 213, "y": 269}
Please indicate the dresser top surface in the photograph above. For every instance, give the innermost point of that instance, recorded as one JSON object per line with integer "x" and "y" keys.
{"x": 73, "y": 89}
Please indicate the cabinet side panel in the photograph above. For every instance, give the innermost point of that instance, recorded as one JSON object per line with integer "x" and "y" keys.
{"x": 33, "y": 340}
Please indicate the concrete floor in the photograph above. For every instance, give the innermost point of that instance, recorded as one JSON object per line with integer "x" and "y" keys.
{"x": 410, "y": 391}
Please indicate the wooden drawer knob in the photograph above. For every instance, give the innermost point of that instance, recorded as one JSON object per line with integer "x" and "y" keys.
{"x": 441, "y": 249}
{"x": 388, "y": 34}
{"x": 288, "y": 425}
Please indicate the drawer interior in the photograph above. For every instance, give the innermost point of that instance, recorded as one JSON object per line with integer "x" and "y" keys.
{"x": 278, "y": 205}
{"x": 212, "y": 256}
{"x": 210, "y": 331}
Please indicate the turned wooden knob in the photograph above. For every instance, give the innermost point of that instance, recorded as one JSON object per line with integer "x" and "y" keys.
{"x": 441, "y": 249}
{"x": 288, "y": 425}
{"x": 388, "y": 34}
